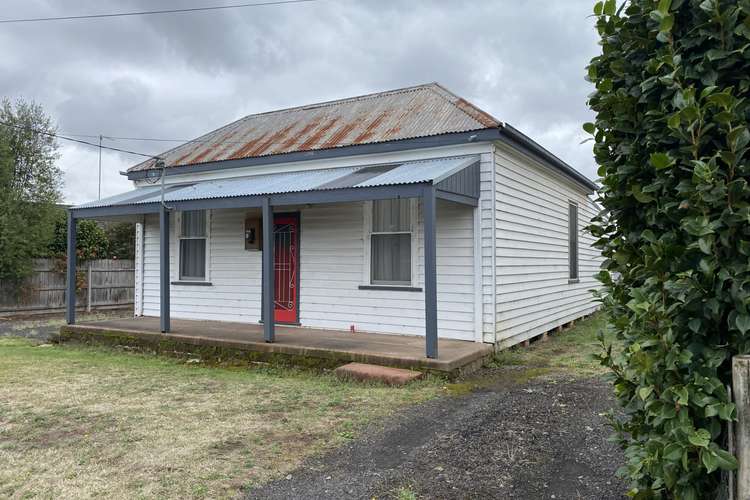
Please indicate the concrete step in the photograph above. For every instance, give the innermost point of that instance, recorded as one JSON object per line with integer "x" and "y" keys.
{"x": 385, "y": 374}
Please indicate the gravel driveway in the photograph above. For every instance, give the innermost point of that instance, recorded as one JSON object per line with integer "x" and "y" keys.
{"x": 542, "y": 439}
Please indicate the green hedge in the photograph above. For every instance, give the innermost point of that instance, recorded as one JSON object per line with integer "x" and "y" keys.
{"x": 671, "y": 140}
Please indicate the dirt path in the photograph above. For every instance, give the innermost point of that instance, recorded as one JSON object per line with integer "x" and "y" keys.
{"x": 542, "y": 439}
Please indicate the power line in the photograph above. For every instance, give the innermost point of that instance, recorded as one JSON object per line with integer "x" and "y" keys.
{"x": 149, "y": 139}
{"x": 153, "y": 12}
{"x": 58, "y": 136}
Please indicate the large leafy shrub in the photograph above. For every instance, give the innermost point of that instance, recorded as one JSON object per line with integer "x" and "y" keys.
{"x": 671, "y": 140}
{"x": 91, "y": 239}
{"x": 121, "y": 237}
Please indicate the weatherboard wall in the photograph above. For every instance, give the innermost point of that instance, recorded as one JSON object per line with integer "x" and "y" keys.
{"x": 532, "y": 290}
{"x": 331, "y": 271}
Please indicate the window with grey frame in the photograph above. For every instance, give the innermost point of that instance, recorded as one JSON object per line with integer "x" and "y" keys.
{"x": 572, "y": 240}
{"x": 390, "y": 242}
{"x": 193, "y": 240}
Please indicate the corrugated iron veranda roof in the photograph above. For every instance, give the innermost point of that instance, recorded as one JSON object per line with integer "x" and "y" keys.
{"x": 435, "y": 171}
{"x": 414, "y": 112}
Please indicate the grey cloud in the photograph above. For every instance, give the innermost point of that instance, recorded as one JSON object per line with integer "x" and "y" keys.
{"x": 180, "y": 76}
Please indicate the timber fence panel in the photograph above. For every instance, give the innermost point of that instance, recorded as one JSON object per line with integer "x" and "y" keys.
{"x": 112, "y": 283}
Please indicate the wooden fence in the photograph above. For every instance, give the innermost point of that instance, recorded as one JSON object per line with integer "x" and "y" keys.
{"x": 112, "y": 284}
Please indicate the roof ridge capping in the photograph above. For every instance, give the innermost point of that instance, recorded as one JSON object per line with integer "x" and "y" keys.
{"x": 460, "y": 103}
{"x": 343, "y": 100}
{"x": 465, "y": 106}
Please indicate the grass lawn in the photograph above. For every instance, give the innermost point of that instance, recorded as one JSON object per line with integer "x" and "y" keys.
{"x": 82, "y": 422}
{"x": 571, "y": 351}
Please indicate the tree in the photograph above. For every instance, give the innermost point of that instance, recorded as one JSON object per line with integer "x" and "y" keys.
{"x": 671, "y": 140}
{"x": 30, "y": 185}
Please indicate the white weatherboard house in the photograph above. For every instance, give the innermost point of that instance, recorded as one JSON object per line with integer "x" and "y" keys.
{"x": 406, "y": 212}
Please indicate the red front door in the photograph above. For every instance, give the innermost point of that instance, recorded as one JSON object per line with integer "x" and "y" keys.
{"x": 285, "y": 265}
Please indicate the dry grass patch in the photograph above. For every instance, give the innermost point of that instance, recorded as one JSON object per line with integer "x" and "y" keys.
{"x": 571, "y": 350}
{"x": 84, "y": 422}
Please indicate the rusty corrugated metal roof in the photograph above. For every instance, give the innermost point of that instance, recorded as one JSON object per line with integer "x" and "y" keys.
{"x": 421, "y": 111}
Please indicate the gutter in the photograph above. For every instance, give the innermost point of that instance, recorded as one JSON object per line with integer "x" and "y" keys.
{"x": 514, "y": 137}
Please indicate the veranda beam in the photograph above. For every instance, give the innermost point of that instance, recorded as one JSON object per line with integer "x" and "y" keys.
{"x": 268, "y": 277}
{"x": 164, "y": 269}
{"x": 430, "y": 272}
{"x": 70, "y": 274}
{"x": 301, "y": 198}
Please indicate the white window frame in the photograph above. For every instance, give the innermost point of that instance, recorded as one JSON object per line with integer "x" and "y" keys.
{"x": 178, "y": 238}
{"x": 413, "y": 230}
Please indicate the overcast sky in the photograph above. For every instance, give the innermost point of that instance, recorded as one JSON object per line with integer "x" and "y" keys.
{"x": 181, "y": 75}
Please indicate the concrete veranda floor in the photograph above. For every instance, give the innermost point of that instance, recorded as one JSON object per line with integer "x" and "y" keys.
{"x": 404, "y": 351}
